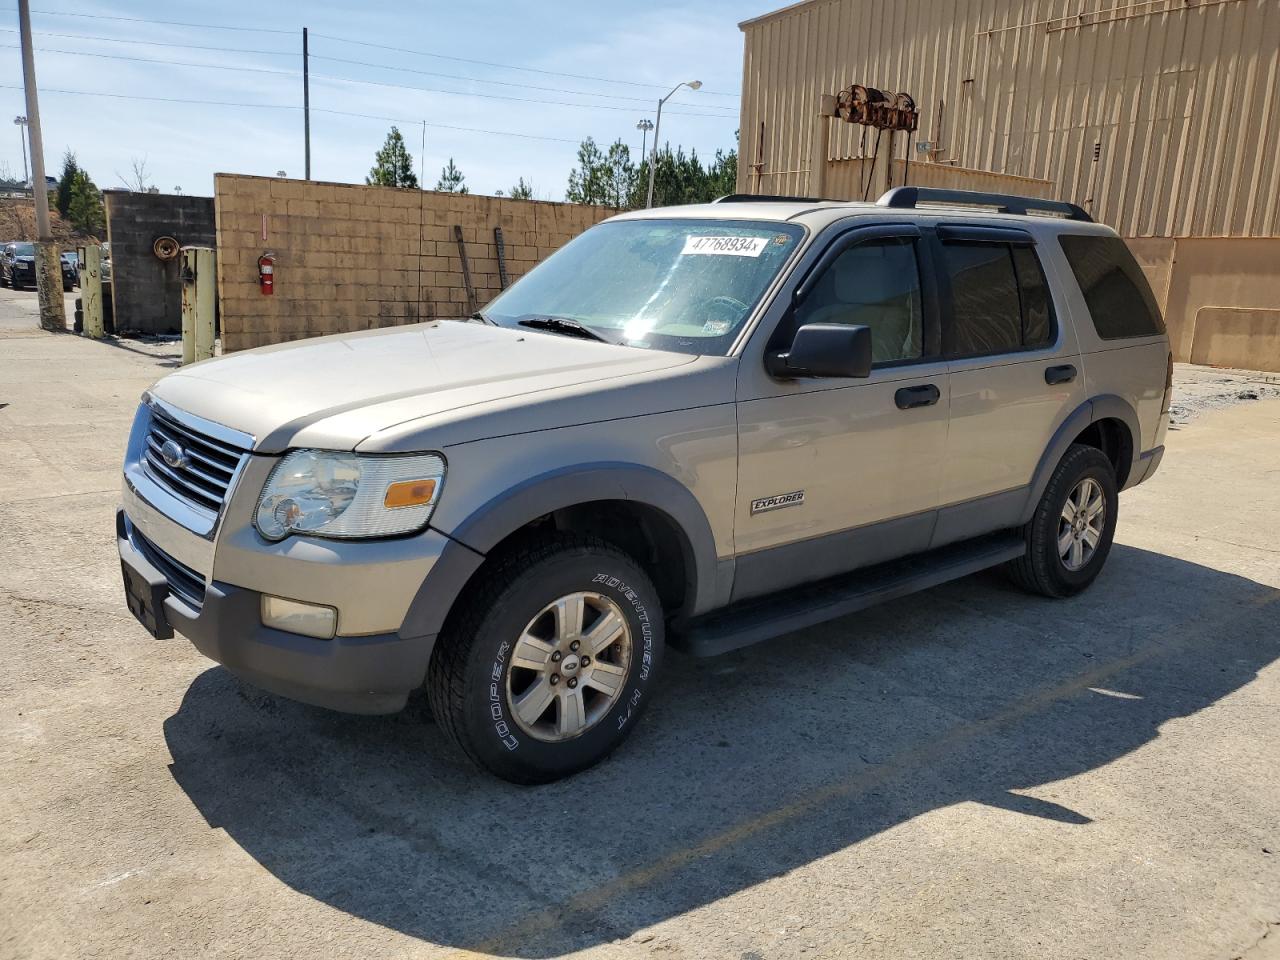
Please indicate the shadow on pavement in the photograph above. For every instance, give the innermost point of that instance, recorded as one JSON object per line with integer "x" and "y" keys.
{"x": 746, "y": 767}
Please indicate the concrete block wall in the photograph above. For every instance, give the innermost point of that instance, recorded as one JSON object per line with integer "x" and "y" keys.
{"x": 147, "y": 291}
{"x": 351, "y": 257}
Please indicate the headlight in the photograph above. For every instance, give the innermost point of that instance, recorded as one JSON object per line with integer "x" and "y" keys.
{"x": 333, "y": 494}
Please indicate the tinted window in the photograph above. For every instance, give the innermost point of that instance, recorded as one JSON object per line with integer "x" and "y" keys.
{"x": 1114, "y": 287}
{"x": 1037, "y": 308}
{"x": 875, "y": 284}
{"x": 986, "y": 308}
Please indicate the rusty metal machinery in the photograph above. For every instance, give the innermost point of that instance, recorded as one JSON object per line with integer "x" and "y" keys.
{"x": 876, "y": 108}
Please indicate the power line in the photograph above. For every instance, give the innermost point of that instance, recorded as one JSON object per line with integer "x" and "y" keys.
{"x": 376, "y": 83}
{"x": 291, "y": 106}
{"x": 167, "y": 23}
{"x": 504, "y": 83}
{"x": 509, "y": 99}
{"x": 446, "y": 126}
{"x": 508, "y": 66}
{"x": 336, "y": 39}
{"x": 131, "y": 96}
{"x": 359, "y": 63}
{"x": 154, "y": 43}
{"x": 169, "y": 63}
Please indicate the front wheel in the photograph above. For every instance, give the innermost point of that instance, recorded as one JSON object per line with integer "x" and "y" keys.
{"x": 1069, "y": 536}
{"x": 550, "y": 660}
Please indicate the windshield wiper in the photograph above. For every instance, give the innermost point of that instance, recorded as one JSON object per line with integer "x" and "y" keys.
{"x": 571, "y": 328}
{"x": 483, "y": 318}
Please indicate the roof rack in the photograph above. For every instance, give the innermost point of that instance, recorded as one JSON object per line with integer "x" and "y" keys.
{"x": 908, "y": 198}
{"x": 763, "y": 198}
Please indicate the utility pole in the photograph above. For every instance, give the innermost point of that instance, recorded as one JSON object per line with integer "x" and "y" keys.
{"x": 306, "y": 100}
{"x": 53, "y": 309}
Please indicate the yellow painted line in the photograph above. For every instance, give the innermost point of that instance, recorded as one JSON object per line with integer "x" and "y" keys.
{"x": 513, "y": 937}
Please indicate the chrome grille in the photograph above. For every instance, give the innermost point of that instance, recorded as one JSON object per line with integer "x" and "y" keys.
{"x": 209, "y": 465}
{"x": 186, "y": 584}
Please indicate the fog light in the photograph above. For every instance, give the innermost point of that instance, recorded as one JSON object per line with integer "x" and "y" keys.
{"x": 308, "y": 619}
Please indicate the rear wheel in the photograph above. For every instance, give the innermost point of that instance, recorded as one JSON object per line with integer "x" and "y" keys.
{"x": 1069, "y": 536}
{"x": 549, "y": 662}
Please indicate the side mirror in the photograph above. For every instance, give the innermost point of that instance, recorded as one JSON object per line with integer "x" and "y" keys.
{"x": 824, "y": 350}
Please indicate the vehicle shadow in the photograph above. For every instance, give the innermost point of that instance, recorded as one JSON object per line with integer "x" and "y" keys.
{"x": 747, "y": 766}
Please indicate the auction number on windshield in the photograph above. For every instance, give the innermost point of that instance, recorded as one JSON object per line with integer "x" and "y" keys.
{"x": 725, "y": 246}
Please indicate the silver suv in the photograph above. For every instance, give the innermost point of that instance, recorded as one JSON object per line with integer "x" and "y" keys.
{"x": 702, "y": 426}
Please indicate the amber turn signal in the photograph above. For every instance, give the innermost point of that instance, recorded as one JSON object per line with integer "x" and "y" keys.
{"x": 409, "y": 493}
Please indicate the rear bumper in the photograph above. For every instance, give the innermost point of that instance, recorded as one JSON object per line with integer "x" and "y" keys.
{"x": 1146, "y": 465}
{"x": 355, "y": 674}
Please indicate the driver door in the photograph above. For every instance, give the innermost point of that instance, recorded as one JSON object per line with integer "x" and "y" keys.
{"x": 838, "y": 473}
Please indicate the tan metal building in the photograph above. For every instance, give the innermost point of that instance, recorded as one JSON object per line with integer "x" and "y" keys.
{"x": 1179, "y": 100}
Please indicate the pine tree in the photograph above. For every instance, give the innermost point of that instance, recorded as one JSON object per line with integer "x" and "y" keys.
{"x": 85, "y": 207}
{"x": 65, "y": 183}
{"x": 392, "y": 165}
{"x": 521, "y": 191}
{"x": 451, "y": 179}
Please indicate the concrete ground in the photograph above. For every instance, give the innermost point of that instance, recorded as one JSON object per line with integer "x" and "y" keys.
{"x": 970, "y": 772}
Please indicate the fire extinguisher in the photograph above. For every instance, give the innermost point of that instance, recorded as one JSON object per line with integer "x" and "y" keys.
{"x": 267, "y": 274}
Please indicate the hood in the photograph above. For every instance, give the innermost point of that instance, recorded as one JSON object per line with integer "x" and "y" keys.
{"x": 344, "y": 388}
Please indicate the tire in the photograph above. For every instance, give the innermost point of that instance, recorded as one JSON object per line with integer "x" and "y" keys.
{"x": 1049, "y": 569}
{"x": 481, "y": 667}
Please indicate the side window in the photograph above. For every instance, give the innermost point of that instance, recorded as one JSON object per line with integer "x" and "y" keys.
{"x": 1114, "y": 287}
{"x": 874, "y": 284}
{"x": 1037, "y": 308}
{"x": 1000, "y": 300}
{"x": 986, "y": 309}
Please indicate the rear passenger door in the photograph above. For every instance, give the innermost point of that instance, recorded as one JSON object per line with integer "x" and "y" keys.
{"x": 1014, "y": 369}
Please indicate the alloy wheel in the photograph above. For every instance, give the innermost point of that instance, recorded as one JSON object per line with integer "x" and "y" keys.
{"x": 1080, "y": 527}
{"x": 569, "y": 667}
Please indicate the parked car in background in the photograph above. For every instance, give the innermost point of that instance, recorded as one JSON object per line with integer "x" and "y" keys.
{"x": 104, "y": 269}
{"x": 70, "y": 270}
{"x": 18, "y": 265}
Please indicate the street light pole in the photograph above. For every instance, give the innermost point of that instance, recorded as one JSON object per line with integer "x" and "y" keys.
{"x": 21, "y": 123}
{"x": 644, "y": 126}
{"x": 657, "y": 127}
{"x": 53, "y": 309}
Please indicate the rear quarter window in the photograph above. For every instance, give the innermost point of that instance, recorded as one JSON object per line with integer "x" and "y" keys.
{"x": 1114, "y": 287}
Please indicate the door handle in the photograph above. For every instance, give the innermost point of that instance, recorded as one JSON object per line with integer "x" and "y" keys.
{"x": 925, "y": 395}
{"x": 1063, "y": 374}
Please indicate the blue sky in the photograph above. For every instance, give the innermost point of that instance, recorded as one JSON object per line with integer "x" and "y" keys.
{"x": 635, "y": 52}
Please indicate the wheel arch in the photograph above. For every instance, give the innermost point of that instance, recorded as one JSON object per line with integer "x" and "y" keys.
{"x": 640, "y": 501}
{"x": 1107, "y": 422}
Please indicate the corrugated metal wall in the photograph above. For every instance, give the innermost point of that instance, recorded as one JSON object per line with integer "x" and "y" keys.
{"x": 1183, "y": 95}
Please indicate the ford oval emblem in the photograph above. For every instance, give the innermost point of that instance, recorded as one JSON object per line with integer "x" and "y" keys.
{"x": 173, "y": 455}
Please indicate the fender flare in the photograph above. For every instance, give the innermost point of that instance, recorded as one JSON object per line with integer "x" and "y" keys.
{"x": 495, "y": 520}
{"x": 1092, "y": 410}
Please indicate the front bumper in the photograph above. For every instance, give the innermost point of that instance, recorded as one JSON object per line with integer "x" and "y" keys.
{"x": 356, "y": 674}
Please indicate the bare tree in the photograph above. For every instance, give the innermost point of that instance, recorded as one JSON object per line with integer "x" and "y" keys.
{"x": 139, "y": 180}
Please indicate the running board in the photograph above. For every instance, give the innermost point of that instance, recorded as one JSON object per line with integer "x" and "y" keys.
{"x": 762, "y": 618}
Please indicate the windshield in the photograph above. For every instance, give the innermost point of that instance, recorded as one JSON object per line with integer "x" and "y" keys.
{"x": 24, "y": 250}
{"x": 682, "y": 285}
